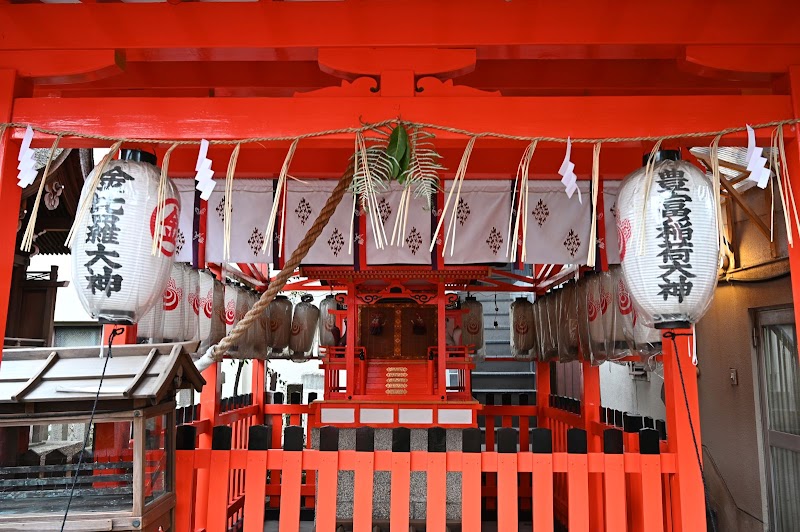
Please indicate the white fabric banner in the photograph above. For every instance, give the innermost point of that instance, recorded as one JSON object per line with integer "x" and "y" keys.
{"x": 611, "y": 242}
{"x": 482, "y": 214}
{"x": 185, "y": 236}
{"x": 304, "y": 201}
{"x": 558, "y": 226}
{"x": 252, "y": 202}
{"x": 416, "y": 239}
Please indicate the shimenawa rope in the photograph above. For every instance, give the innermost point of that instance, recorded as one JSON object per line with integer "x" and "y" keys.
{"x": 215, "y": 353}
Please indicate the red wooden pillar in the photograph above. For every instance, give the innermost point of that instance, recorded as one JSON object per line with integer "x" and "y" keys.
{"x": 793, "y": 165}
{"x": 688, "y": 500}
{"x": 441, "y": 363}
{"x": 350, "y": 349}
{"x": 209, "y": 410}
{"x": 542, "y": 393}
{"x": 590, "y": 412}
{"x": 10, "y": 193}
{"x": 258, "y": 387}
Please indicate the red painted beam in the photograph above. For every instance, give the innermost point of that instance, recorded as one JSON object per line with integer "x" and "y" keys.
{"x": 511, "y": 77}
{"x": 487, "y": 23}
{"x": 59, "y": 66}
{"x": 238, "y": 118}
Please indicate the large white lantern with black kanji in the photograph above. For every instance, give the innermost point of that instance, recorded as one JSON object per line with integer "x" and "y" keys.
{"x": 117, "y": 277}
{"x": 672, "y": 276}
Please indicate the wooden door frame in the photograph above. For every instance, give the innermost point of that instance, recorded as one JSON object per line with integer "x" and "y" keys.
{"x": 779, "y": 314}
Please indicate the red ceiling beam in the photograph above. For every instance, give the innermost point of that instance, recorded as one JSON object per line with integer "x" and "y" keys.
{"x": 512, "y": 77}
{"x": 481, "y": 23}
{"x": 237, "y": 118}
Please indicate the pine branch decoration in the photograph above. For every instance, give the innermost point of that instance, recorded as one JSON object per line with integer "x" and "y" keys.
{"x": 422, "y": 174}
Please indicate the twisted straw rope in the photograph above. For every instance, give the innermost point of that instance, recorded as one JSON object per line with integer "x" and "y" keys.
{"x": 288, "y": 269}
{"x": 372, "y": 126}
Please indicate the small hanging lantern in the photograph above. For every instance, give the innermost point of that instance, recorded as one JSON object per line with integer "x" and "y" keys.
{"x": 613, "y": 324}
{"x": 670, "y": 250}
{"x": 211, "y": 320}
{"x": 175, "y": 304}
{"x": 548, "y": 327}
{"x": 304, "y": 326}
{"x": 117, "y": 277}
{"x": 641, "y": 338}
{"x": 597, "y": 302}
{"x": 191, "y": 291}
{"x": 567, "y": 305}
{"x": 472, "y": 324}
{"x": 280, "y": 323}
{"x": 329, "y": 333}
{"x": 522, "y": 328}
{"x": 261, "y": 332}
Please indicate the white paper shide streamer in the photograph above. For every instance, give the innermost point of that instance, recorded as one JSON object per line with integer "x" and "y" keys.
{"x": 567, "y": 173}
{"x": 756, "y": 162}
{"x": 27, "y": 164}
{"x": 205, "y": 175}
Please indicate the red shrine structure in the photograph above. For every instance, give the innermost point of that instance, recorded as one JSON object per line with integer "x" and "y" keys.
{"x": 161, "y": 76}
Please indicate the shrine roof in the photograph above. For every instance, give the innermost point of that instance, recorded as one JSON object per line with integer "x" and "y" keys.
{"x": 144, "y": 372}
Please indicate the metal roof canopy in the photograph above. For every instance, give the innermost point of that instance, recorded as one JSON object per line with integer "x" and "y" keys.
{"x": 47, "y": 380}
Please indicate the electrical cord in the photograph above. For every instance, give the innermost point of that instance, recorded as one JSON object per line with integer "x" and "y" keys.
{"x": 116, "y": 331}
{"x": 671, "y": 335}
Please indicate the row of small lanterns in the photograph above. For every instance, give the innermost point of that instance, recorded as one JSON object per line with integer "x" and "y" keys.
{"x": 593, "y": 317}
{"x": 196, "y": 306}
{"x": 669, "y": 251}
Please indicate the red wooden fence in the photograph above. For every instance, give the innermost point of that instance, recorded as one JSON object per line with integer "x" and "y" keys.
{"x": 644, "y": 472}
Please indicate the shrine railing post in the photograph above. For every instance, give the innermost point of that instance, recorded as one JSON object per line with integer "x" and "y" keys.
{"x": 683, "y": 418}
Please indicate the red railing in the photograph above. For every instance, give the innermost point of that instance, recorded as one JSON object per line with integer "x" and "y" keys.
{"x": 620, "y": 474}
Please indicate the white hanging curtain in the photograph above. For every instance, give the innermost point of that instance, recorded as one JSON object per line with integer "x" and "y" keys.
{"x": 610, "y": 190}
{"x": 304, "y": 201}
{"x": 250, "y": 209}
{"x": 480, "y": 228}
{"x": 412, "y": 234}
{"x": 558, "y": 226}
{"x": 184, "y": 238}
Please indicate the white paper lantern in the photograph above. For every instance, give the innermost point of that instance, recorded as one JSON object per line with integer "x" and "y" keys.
{"x": 117, "y": 277}
{"x": 211, "y": 320}
{"x": 673, "y": 276}
{"x": 260, "y": 328}
{"x": 304, "y": 327}
{"x": 472, "y": 324}
{"x": 191, "y": 291}
{"x": 329, "y": 333}
{"x": 616, "y": 345}
{"x": 567, "y": 304}
{"x": 175, "y": 305}
{"x": 522, "y": 327}
{"x": 641, "y": 338}
{"x": 597, "y": 303}
{"x": 280, "y": 323}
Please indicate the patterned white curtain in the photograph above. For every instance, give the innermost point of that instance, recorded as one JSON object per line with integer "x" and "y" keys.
{"x": 558, "y": 226}
{"x": 416, "y": 238}
{"x": 251, "y": 203}
{"x": 304, "y": 201}
{"x": 483, "y": 211}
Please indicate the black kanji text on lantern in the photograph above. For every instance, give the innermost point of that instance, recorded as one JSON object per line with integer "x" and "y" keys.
{"x": 106, "y": 211}
{"x": 675, "y": 236}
